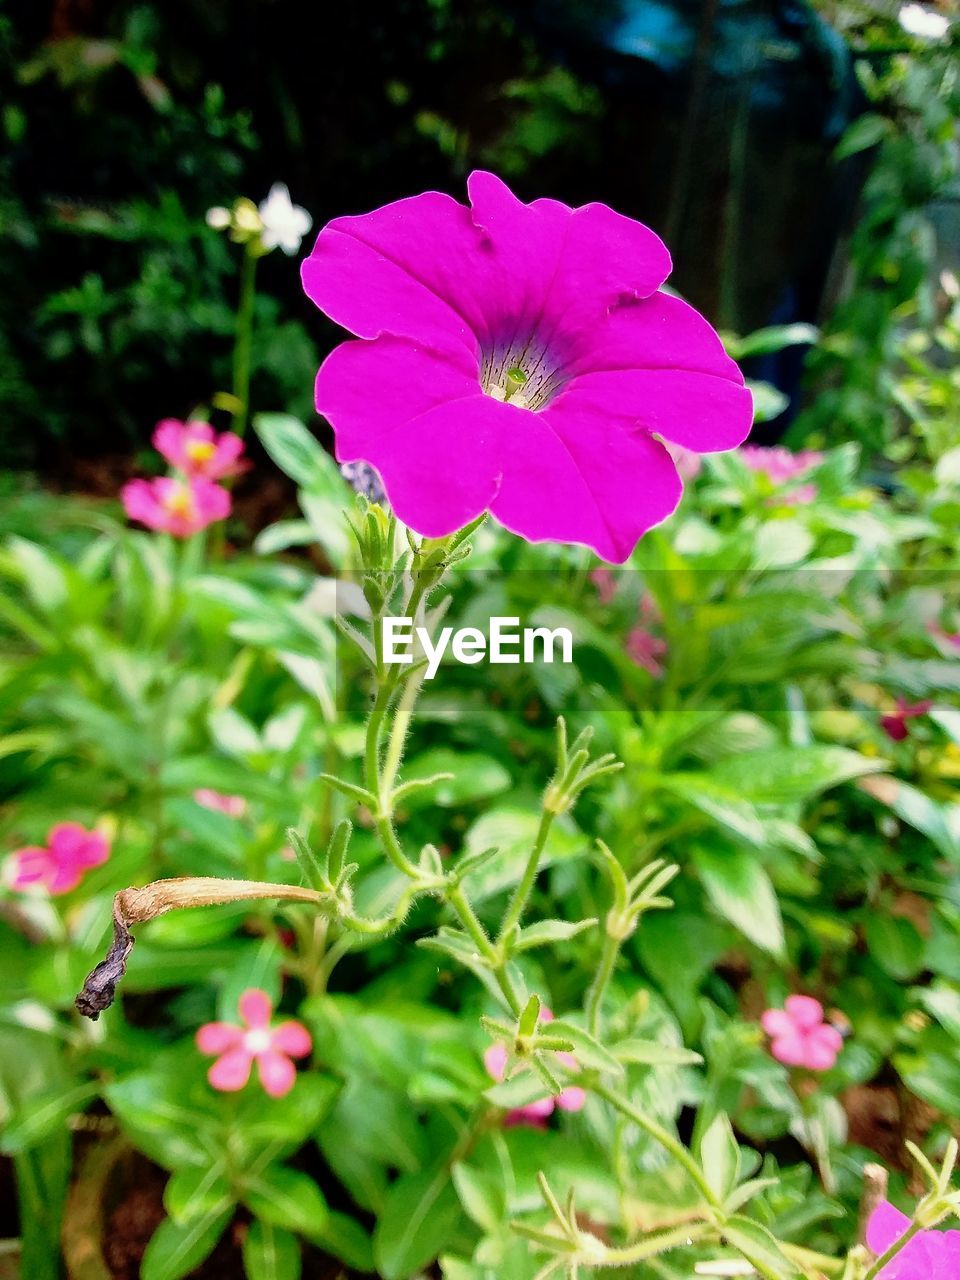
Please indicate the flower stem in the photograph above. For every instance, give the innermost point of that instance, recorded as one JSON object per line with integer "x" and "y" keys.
{"x": 652, "y": 1245}
{"x": 898, "y": 1245}
{"x": 664, "y": 1138}
{"x": 521, "y": 894}
{"x": 243, "y": 343}
{"x": 598, "y": 987}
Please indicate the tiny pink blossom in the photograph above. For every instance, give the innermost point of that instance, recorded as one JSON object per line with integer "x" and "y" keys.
{"x": 58, "y": 867}
{"x": 646, "y": 650}
{"x": 171, "y": 506}
{"x": 605, "y": 583}
{"x": 238, "y": 1047}
{"x": 930, "y": 1255}
{"x": 947, "y": 641}
{"x": 800, "y": 1037}
{"x": 781, "y": 466}
{"x": 197, "y": 450}
{"x": 895, "y": 725}
{"x": 534, "y": 1114}
{"x": 232, "y": 806}
{"x": 520, "y": 359}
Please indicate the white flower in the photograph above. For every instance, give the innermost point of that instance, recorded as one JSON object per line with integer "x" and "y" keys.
{"x": 923, "y": 22}
{"x": 284, "y": 223}
{"x": 218, "y": 217}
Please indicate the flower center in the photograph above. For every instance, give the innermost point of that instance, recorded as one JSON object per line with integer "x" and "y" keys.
{"x": 524, "y": 373}
{"x": 180, "y": 503}
{"x": 257, "y": 1041}
{"x": 200, "y": 450}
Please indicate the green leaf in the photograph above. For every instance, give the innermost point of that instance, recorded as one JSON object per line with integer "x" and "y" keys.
{"x": 649, "y": 1053}
{"x": 474, "y": 776}
{"x": 588, "y": 1049}
{"x": 895, "y": 945}
{"x": 419, "y": 1219}
{"x": 545, "y": 932}
{"x": 758, "y": 1246}
{"x": 269, "y": 1253}
{"x": 866, "y": 132}
{"x": 43, "y": 1115}
{"x": 787, "y": 774}
{"x": 918, "y": 809}
{"x": 720, "y": 803}
{"x": 297, "y": 453}
{"x": 162, "y": 1117}
{"x": 177, "y": 1248}
{"x": 192, "y": 1192}
{"x": 741, "y": 892}
{"x": 934, "y": 1077}
{"x": 287, "y": 1198}
{"x": 344, "y": 1237}
{"x": 720, "y": 1156}
{"x": 482, "y": 1197}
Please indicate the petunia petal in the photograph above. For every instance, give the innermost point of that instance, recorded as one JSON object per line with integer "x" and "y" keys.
{"x": 804, "y": 1011}
{"x": 292, "y": 1038}
{"x": 231, "y": 1071}
{"x": 571, "y": 476}
{"x": 218, "y": 1037}
{"x": 406, "y": 269}
{"x": 255, "y": 1008}
{"x": 886, "y": 1225}
{"x": 277, "y": 1073}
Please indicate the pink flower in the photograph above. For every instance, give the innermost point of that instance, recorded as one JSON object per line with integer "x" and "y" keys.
{"x": 781, "y": 465}
{"x": 605, "y": 583}
{"x": 947, "y": 641}
{"x": 534, "y": 1114}
{"x": 930, "y": 1255}
{"x": 171, "y": 506}
{"x": 800, "y": 1037}
{"x": 518, "y": 358}
{"x": 232, "y": 806}
{"x": 272, "y": 1048}
{"x": 895, "y": 725}
{"x": 646, "y": 650}
{"x": 197, "y": 450}
{"x": 70, "y": 852}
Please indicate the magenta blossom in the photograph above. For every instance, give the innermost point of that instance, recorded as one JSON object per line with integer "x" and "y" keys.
{"x": 534, "y": 1114}
{"x": 232, "y": 806}
{"x": 895, "y": 724}
{"x": 521, "y": 359}
{"x": 272, "y": 1048}
{"x": 605, "y": 583}
{"x": 60, "y": 866}
{"x": 197, "y": 450}
{"x": 646, "y": 650}
{"x": 930, "y": 1255}
{"x": 171, "y": 506}
{"x": 800, "y": 1037}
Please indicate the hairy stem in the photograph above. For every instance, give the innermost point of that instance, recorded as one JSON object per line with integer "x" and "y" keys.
{"x": 521, "y": 895}
{"x": 598, "y": 987}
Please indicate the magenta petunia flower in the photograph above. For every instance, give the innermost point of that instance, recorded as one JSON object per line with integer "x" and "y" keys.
{"x": 59, "y": 866}
{"x": 895, "y": 724}
{"x": 256, "y": 1041}
{"x": 534, "y": 1115}
{"x": 232, "y": 806}
{"x": 521, "y": 359}
{"x": 171, "y": 506}
{"x": 800, "y": 1037}
{"x": 197, "y": 450}
{"x": 930, "y": 1255}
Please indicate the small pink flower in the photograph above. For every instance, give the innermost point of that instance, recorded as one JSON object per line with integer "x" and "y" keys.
{"x": 930, "y": 1255}
{"x": 799, "y": 1035}
{"x": 232, "y": 806}
{"x": 521, "y": 359}
{"x": 605, "y": 582}
{"x": 895, "y": 725}
{"x": 646, "y": 650}
{"x": 534, "y": 1114}
{"x": 197, "y": 450}
{"x": 781, "y": 466}
{"x": 171, "y": 506}
{"x": 70, "y": 852}
{"x": 272, "y": 1048}
{"x": 947, "y": 641}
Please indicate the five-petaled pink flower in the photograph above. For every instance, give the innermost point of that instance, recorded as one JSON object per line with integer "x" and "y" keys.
{"x": 521, "y": 359}
{"x": 272, "y": 1048}
{"x": 70, "y": 852}
{"x": 895, "y": 724}
{"x": 534, "y": 1114}
{"x": 800, "y": 1037}
{"x": 232, "y": 806}
{"x": 197, "y": 450}
{"x": 930, "y": 1255}
{"x": 781, "y": 466}
{"x": 173, "y": 506}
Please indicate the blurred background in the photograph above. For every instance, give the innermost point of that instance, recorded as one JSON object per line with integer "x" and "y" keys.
{"x": 800, "y": 159}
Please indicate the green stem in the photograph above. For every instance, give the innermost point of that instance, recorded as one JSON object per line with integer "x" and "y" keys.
{"x": 521, "y": 894}
{"x": 608, "y": 961}
{"x": 243, "y": 343}
{"x": 650, "y": 1246}
{"x": 898, "y": 1245}
{"x": 468, "y": 918}
{"x": 664, "y": 1138}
